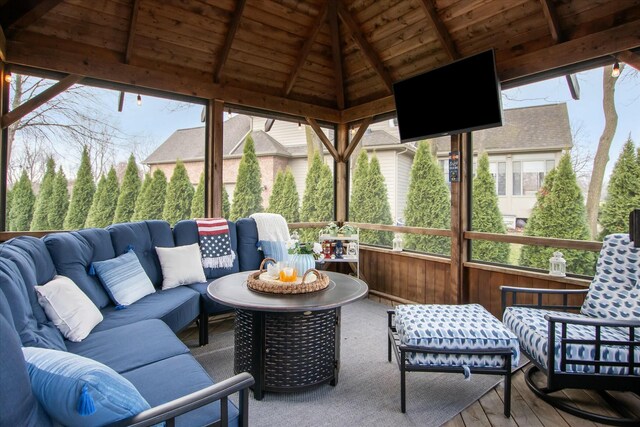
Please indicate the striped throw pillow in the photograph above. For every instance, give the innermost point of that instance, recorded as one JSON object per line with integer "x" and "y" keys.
{"x": 124, "y": 279}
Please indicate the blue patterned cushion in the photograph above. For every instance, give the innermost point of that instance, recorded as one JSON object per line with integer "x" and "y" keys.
{"x": 124, "y": 278}
{"x": 453, "y": 327}
{"x": 274, "y": 249}
{"x": 78, "y": 391}
{"x": 531, "y": 328}
{"x": 614, "y": 292}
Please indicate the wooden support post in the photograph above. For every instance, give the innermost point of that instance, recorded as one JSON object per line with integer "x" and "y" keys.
{"x": 4, "y": 149}
{"x": 341, "y": 175}
{"x": 459, "y": 221}
{"x": 3, "y": 46}
{"x": 213, "y": 156}
{"x": 325, "y": 141}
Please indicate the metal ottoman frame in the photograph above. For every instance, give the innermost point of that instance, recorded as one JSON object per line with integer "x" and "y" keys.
{"x": 401, "y": 350}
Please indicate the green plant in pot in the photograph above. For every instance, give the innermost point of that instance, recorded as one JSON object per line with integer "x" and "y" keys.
{"x": 331, "y": 229}
{"x": 347, "y": 230}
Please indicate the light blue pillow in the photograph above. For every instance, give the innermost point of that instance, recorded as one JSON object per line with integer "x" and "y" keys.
{"x": 274, "y": 249}
{"x": 123, "y": 278}
{"x": 75, "y": 390}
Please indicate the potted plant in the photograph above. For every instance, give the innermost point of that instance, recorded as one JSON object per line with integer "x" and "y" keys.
{"x": 347, "y": 230}
{"x": 331, "y": 229}
{"x": 303, "y": 255}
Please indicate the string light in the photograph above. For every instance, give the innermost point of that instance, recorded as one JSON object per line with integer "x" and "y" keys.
{"x": 139, "y": 100}
{"x": 7, "y": 77}
{"x": 615, "y": 71}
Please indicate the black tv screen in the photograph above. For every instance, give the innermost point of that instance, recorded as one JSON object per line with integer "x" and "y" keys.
{"x": 459, "y": 97}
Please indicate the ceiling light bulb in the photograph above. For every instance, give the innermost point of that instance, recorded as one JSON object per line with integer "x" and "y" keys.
{"x": 615, "y": 71}
{"x": 139, "y": 100}
{"x": 7, "y": 77}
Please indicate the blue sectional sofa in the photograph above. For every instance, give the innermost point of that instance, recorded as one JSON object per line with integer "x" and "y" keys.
{"x": 138, "y": 342}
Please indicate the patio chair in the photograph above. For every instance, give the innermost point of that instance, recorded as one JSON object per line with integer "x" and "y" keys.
{"x": 597, "y": 348}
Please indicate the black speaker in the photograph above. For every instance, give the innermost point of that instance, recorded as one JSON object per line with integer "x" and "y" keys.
{"x": 634, "y": 227}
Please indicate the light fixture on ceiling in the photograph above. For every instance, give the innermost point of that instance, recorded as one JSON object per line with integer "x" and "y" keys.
{"x": 7, "y": 77}
{"x": 139, "y": 100}
{"x": 615, "y": 71}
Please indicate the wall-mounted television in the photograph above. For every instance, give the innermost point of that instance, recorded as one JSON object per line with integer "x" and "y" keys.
{"x": 459, "y": 97}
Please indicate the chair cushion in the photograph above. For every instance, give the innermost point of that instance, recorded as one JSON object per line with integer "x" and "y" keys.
{"x": 184, "y": 375}
{"x": 18, "y": 404}
{"x": 45, "y": 269}
{"x": 124, "y": 279}
{"x": 130, "y": 346}
{"x": 143, "y": 237}
{"x": 614, "y": 292}
{"x": 453, "y": 327}
{"x": 75, "y": 390}
{"x": 531, "y": 328}
{"x": 185, "y": 232}
{"x": 250, "y": 256}
{"x": 73, "y": 252}
{"x": 176, "y": 307}
{"x": 32, "y": 331}
{"x": 181, "y": 265}
{"x": 68, "y": 307}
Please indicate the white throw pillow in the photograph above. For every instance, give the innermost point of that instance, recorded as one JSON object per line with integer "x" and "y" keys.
{"x": 181, "y": 265}
{"x": 73, "y": 313}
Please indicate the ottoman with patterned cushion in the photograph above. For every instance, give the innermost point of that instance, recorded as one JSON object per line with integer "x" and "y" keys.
{"x": 451, "y": 338}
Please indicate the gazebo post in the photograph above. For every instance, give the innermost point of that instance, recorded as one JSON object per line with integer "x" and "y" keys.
{"x": 213, "y": 157}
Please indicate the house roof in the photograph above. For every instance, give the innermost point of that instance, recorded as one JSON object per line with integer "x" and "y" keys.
{"x": 264, "y": 144}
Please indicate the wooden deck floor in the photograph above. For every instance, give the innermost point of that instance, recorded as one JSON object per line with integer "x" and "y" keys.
{"x": 527, "y": 410}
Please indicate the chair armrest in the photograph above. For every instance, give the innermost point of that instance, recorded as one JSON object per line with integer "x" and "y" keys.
{"x": 592, "y": 321}
{"x": 182, "y": 405}
{"x": 514, "y": 291}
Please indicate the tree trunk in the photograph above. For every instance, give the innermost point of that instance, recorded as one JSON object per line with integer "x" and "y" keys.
{"x": 602, "y": 153}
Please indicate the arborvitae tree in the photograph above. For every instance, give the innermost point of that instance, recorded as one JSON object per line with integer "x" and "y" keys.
{"x": 487, "y": 216}
{"x": 247, "y": 196}
{"x": 324, "y": 195}
{"x": 43, "y": 200}
{"x": 107, "y": 201}
{"x": 358, "y": 203}
{"x": 379, "y": 209}
{"x": 226, "y": 206}
{"x": 284, "y": 197}
{"x": 177, "y": 204}
{"x": 197, "y": 204}
{"x": 428, "y": 203}
{"x": 8, "y": 205}
{"x": 59, "y": 201}
{"x": 22, "y": 201}
{"x": 559, "y": 212}
{"x": 128, "y": 192}
{"x": 317, "y": 202}
{"x": 150, "y": 203}
{"x": 308, "y": 210}
{"x": 623, "y": 192}
{"x": 82, "y": 195}
{"x": 142, "y": 198}
{"x": 92, "y": 219}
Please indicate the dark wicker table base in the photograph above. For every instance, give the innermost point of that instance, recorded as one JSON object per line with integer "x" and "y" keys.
{"x": 287, "y": 351}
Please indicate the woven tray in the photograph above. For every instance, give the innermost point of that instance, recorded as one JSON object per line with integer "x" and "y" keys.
{"x": 261, "y": 282}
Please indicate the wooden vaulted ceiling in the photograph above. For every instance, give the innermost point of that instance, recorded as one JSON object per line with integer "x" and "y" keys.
{"x": 333, "y": 60}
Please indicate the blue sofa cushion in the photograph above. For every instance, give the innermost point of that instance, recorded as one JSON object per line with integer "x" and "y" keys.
{"x": 18, "y": 405}
{"x": 72, "y": 254}
{"x": 79, "y": 391}
{"x": 185, "y": 232}
{"x": 130, "y": 346}
{"x": 211, "y": 306}
{"x": 143, "y": 237}
{"x": 32, "y": 332}
{"x": 177, "y": 307}
{"x": 45, "y": 269}
{"x": 184, "y": 375}
{"x": 250, "y": 256}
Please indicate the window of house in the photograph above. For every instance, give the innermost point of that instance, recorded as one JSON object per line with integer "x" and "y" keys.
{"x": 499, "y": 172}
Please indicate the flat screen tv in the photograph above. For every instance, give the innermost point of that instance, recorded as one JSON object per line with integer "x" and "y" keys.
{"x": 459, "y": 97}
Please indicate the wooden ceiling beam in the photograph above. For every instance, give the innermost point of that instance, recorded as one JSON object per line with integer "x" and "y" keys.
{"x": 129, "y": 49}
{"x": 325, "y": 141}
{"x": 552, "y": 19}
{"x": 16, "y": 15}
{"x": 356, "y": 138}
{"x": 306, "y": 48}
{"x": 367, "y": 51}
{"x": 41, "y": 98}
{"x": 3, "y": 46}
{"x": 103, "y": 65}
{"x": 630, "y": 58}
{"x": 441, "y": 30}
{"x": 234, "y": 24}
{"x": 336, "y": 53}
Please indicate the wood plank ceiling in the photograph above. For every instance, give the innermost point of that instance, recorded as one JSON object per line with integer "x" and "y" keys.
{"x": 333, "y": 60}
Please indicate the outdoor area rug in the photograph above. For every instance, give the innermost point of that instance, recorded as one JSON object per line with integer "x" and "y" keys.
{"x": 368, "y": 390}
